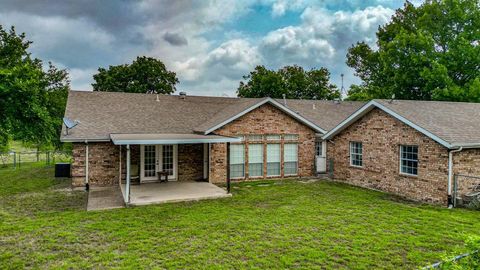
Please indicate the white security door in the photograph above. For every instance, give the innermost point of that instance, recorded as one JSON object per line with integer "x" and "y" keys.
{"x": 320, "y": 156}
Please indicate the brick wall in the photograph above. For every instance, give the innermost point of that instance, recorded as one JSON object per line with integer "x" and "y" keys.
{"x": 264, "y": 120}
{"x": 467, "y": 162}
{"x": 103, "y": 166}
{"x": 382, "y": 136}
{"x": 190, "y": 162}
{"x": 104, "y": 163}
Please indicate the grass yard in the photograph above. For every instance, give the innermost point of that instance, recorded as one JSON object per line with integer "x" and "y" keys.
{"x": 284, "y": 224}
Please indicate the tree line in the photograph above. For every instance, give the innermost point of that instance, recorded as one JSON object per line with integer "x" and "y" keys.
{"x": 429, "y": 52}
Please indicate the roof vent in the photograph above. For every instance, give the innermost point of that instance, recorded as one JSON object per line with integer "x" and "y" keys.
{"x": 392, "y": 99}
{"x": 284, "y": 100}
{"x": 158, "y": 99}
{"x": 336, "y": 101}
{"x": 313, "y": 106}
{"x": 183, "y": 95}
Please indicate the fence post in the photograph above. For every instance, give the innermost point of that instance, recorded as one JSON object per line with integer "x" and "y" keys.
{"x": 19, "y": 159}
{"x": 14, "y": 159}
{"x": 53, "y": 157}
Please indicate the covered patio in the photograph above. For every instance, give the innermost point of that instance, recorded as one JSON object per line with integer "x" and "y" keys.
{"x": 152, "y": 193}
{"x": 149, "y": 189}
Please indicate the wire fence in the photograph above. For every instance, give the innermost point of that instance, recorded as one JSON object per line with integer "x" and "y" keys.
{"x": 15, "y": 159}
{"x": 466, "y": 191}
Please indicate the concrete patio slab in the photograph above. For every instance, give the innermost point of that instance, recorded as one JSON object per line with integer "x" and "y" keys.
{"x": 153, "y": 193}
{"x": 102, "y": 198}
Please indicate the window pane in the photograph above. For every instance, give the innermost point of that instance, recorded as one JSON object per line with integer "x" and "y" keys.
{"x": 409, "y": 159}
{"x": 273, "y": 159}
{"x": 167, "y": 158}
{"x": 149, "y": 161}
{"x": 255, "y": 169}
{"x": 290, "y": 152}
{"x": 291, "y": 137}
{"x": 237, "y": 154}
{"x": 319, "y": 148}
{"x": 273, "y": 137}
{"x": 273, "y": 152}
{"x": 290, "y": 168}
{"x": 273, "y": 168}
{"x": 255, "y": 137}
{"x": 237, "y": 160}
{"x": 255, "y": 160}
{"x": 356, "y": 152}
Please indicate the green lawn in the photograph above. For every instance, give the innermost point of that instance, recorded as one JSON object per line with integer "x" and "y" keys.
{"x": 281, "y": 224}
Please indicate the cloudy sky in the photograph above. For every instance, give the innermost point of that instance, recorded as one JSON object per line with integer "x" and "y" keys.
{"x": 209, "y": 44}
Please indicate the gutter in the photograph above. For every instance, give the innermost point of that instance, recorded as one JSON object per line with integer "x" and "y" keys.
{"x": 450, "y": 175}
{"x": 87, "y": 186}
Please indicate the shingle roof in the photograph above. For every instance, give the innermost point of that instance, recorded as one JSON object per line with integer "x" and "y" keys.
{"x": 104, "y": 113}
{"x": 454, "y": 122}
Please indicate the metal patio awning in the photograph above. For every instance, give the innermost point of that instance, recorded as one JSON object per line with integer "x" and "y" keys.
{"x": 139, "y": 138}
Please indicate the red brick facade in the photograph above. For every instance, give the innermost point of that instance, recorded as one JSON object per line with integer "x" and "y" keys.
{"x": 466, "y": 163}
{"x": 381, "y": 136}
{"x": 264, "y": 120}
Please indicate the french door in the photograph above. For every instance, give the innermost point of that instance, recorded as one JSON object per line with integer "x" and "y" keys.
{"x": 156, "y": 158}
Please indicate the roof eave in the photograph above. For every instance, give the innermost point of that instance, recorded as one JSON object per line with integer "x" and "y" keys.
{"x": 274, "y": 103}
{"x": 374, "y": 104}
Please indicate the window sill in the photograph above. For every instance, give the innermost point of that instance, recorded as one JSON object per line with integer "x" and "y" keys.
{"x": 409, "y": 175}
{"x": 356, "y": 167}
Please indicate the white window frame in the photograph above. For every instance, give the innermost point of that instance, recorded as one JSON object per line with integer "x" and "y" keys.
{"x": 353, "y": 145}
{"x": 230, "y": 158}
{"x": 284, "y": 153}
{"x": 406, "y": 159}
{"x": 263, "y": 161}
{"x": 280, "y": 161}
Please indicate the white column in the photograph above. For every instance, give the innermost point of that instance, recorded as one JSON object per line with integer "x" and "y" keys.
{"x": 127, "y": 186}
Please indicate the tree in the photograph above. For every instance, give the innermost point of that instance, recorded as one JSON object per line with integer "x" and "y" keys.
{"x": 32, "y": 101}
{"x": 144, "y": 75}
{"x": 430, "y": 52}
{"x": 292, "y": 81}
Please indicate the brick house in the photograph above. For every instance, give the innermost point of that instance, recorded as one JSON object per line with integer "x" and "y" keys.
{"x": 126, "y": 138}
{"x": 410, "y": 148}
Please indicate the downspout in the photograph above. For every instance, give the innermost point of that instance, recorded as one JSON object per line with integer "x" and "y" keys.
{"x": 87, "y": 186}
{"x": 450, "y": 176}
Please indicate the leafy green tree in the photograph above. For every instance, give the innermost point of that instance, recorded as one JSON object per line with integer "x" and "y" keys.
{"x": 430, "y": 52}
{"x": 32, "y": 101}
{"x": 144, "y": 75}
{"x": 292, "y": 81}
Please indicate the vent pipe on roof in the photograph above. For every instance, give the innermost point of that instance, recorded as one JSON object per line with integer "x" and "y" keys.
{"x": 183, "y": 95}
{"x": 313, "y": 106}
{"x": 158, "y": 98}
{"x": 284, "y": 100}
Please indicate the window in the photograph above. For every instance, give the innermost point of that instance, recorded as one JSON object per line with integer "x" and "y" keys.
{"x": 409, "y": 159}
{"x": 255, "y": 137}
{"x": 291, "y": 137}
{"x": 273, "y": 137}
{"x": 356, "y": 154}
{"x": 237, "y": 160}
{"x": 255, "y": 160}
{"x": 149, "y": 162}
{"x": 167, "y": 159}
{"x": 273, "y": 159}
{"x": 319, "y": 149}
{"x": 290, "y": 158}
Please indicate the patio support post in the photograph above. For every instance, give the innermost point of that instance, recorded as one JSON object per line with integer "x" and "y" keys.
{"x": 127, "y": 186}
{"x": 228, "y": 167}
